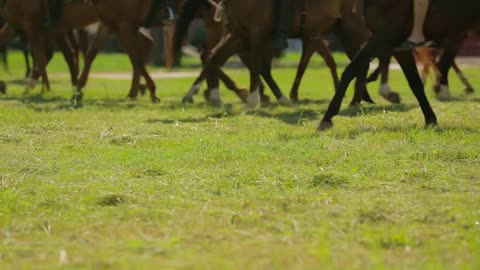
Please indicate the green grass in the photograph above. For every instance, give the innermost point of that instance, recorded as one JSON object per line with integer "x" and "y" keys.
{"x": 131, "y": 185}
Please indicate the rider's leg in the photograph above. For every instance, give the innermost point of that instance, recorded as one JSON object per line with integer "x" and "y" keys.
{"x": 53, "y": 12}
{"x": 417, "y": 37}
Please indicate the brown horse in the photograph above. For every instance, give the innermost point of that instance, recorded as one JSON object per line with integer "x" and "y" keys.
{"x": 390, "y": 22}
{"x": 27, "y": 16}
{"x": 214, "y": 32}
{"x": 250, "y": 31}
{"x": 124, "y": 18}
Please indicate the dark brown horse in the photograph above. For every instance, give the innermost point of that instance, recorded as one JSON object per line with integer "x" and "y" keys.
{"x": 124, "y": 18}
{"x": 23, "y": 47}
{"x": 27, "y": 16}
{"x": 214, "y": 32}
{"x": 250, "y": 31}
{"x": 391, "y": 22}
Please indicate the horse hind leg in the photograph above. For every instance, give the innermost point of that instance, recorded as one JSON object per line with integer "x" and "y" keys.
{"x": 327, "y": 56}
{"x": 385, "y": 90}
{"x": 307, "y": 52}
{"x": 468, "y": 86}
{"x": 92, "y": 51}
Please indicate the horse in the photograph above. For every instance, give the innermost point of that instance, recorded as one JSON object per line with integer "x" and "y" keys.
{"x": 27, "y": 16}
{"x": 124, "y": 18}
{"x": 23, "y": 47}
{"x": 254, "y": 36}
{"x": 390, "y": 22}
{"x": 214, "y": 33}
{"x": 430, "y": 59}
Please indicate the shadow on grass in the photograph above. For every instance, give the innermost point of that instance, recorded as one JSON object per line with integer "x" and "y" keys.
{"x": 40, "y": 102}
{"x": 292, "y": 118}
{"x": 354, "y": 133}
{"x": 373, "y": 109}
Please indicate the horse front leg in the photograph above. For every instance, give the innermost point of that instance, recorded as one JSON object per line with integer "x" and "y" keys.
{"x": 409, "y": 67}
{"x": 359, "y": 63}
{"x": 39, "y": 51}
{"x": 307, "y": 53}
{"x": 92, "y": 51}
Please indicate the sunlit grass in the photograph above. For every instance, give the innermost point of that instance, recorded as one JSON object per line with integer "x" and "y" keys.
{"x": 129, "y": 184}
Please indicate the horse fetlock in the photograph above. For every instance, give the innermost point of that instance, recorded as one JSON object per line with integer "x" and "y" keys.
{"x": 3, "y": 87}
{"x": 387, "y": 93}
{"x": 253, "y": 102}
{"x": 187, "y": 99}
{"x": 444, "y": 93}
{"x": 469, "y": 90}
{"x": 283, "y": 100}
{"x": 325, "y": 125}
{"x": 155, "y": 99}
{"x": 214, "y": 97}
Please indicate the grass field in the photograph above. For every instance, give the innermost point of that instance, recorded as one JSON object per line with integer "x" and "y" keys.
{"x": 130, "y": 185}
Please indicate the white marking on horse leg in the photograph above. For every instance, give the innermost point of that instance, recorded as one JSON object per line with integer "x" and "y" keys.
{"x": 215, "y": 97}
{"x": 253, "y": 101}
{"x": 385, "y": 90}
{"x": 283, "y": 100}
{"x": 194, "y": 90}
{"x": 444, "y": 93}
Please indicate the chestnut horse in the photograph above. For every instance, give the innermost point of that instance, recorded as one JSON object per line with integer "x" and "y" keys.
{"x": 391, "y": 22}
{"x": 124, "y": 18}
{"x": 214, "y": 32}
{"x": 250, "y": 28}
{"x": 26, "y": 16}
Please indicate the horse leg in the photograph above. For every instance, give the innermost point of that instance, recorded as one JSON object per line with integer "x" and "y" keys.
{"x": 266, "y": 72}
{"x": 385, "y": 90}
{"x": 70, "y": 57}
{"x": 129, "y": 37}
{"x": 39, "y": 50}
{"x": 444, "y": 63}
{"x": 409, "y": 68}
{"x": 226, "y": 48}
{"x": 24, "y": 48}
{"x": 194, "y": 89}
{"x": 231, "y": 85}
{"x": 468, "y": 86}
{"x": 143, "y": 53}
{"x": 361, "y": 92}
{"x": 327, "y": 56}
{"x": 307, "y": 52}
{"x": 99, "y": 39}
{"x": 359, "y": 62}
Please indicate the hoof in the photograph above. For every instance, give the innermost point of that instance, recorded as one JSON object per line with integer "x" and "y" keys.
{"x": 77, "y": 100}
{"x": 444, "y": 93}
{"x": 3, "y": 87}
{"x": 265, "y": 99}
{"x": 387, "y": 93}
{"x": 469, "y": 90}
{"x": 131, "y": 97}
{"x": 186, "y": 99}
{"x": 155, "y": 100}
{"x": 436, "y": 88}
{"x": 253, "y": 102}
{"x": 243, "y": 95}
{"x": 283, "y": 100}
{"x": 431, "y": 124}
{"x": 393, "y": 97}
{"x": 324, "y": 125}
{"x": 214, "y": 98}
{"x": 142, "y": 88}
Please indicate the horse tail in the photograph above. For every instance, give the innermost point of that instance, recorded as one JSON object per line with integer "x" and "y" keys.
{"x": 184, "y": 19}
